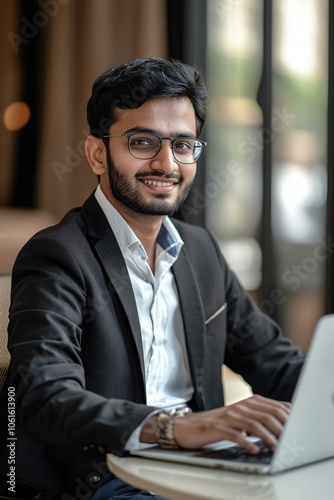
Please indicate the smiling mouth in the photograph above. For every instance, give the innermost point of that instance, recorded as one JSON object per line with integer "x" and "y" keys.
{"x": 157, "y": 183}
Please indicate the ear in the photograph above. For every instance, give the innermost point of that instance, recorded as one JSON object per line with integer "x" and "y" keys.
{"x": 95, "y": 152}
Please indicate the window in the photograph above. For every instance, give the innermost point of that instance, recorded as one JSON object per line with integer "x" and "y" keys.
{"x": 296, "y": 260}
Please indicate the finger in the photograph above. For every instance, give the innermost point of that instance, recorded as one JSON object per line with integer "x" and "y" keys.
{"x": 269, "y": 421}
{"x": 257, "y": 399}
{"x": 254, "y": 426}
{"x": 193, "y": 432}
{"x": 275, "y": 405}
{"x": 240, "y": 438}
{"x": 199, "y": 429}
{"x": 279, "y": 410}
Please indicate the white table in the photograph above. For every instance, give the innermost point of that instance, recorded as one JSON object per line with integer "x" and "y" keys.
{"x": 186, "y": 482}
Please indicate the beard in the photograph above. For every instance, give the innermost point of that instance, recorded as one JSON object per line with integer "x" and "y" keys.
{"x": 127, "y": 193}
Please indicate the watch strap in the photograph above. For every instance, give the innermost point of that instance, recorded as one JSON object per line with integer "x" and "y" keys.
{"x": 165, "y": 426}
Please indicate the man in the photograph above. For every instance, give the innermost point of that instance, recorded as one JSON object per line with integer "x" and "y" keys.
{"x": 120, "y": 311}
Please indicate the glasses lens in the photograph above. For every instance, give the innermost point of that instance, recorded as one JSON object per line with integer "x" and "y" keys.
{"x": 187, "y": 150}
{"x": 144, "y": 146}
{"x": 147, "y": 145}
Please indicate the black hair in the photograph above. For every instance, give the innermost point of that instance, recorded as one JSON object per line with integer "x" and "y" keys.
{"x": 129, "y": 85}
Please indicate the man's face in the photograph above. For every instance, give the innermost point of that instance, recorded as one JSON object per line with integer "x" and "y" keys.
{"x": 157, "y": 186}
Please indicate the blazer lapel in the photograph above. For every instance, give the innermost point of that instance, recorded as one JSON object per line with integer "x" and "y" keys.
{"x": 191, "y": 305}
{"x": 193, "y": 318}
{"x": 114, "y": 265}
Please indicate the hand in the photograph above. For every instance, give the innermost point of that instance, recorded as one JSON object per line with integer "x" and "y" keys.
{"x": 256, "y": 415}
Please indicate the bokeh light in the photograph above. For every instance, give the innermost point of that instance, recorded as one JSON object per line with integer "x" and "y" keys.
{"x": 16, "y": 115}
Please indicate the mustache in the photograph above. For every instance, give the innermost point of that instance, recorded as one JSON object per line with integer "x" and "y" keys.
{"x": 158, "y": 173}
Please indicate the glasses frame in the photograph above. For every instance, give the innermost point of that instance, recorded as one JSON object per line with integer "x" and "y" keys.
{"x": 128, "y": 135}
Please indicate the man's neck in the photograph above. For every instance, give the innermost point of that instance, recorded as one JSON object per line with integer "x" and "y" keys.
{"x": 147, "y": 228}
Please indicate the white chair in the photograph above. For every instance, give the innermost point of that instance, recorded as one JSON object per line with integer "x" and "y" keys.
{"x": 5, "y": 284}
{"x": 23, "y": 491}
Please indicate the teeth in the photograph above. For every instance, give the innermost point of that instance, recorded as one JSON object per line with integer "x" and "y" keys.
{"x": 157, "y": 183}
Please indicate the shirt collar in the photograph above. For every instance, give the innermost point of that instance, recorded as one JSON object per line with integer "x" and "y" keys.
{"x": 168, "y": 238}
{"x": 123, "y": 233}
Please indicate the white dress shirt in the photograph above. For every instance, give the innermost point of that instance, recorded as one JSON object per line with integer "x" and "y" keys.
{"x": 167, "y": 373}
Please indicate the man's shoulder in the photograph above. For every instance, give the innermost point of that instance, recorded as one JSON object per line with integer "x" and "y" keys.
{"x": 71, "y": 232}
{"x": 67, "y": 243}
{"x": 74, "y": 222}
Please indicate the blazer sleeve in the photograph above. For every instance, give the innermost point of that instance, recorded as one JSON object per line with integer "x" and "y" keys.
{"x": 45, "y": 333}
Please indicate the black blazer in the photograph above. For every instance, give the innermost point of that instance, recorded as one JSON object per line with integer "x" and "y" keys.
{"x": 77, "y": 362}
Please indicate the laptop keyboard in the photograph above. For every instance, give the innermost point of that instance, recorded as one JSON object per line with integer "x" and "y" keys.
{"x": 238, "y": 454}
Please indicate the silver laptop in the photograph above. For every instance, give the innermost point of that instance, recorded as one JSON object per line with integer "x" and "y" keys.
{"x": 308, "y": 434}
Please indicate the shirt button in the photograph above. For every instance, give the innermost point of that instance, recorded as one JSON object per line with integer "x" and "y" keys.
{"x": 94, "y": 479}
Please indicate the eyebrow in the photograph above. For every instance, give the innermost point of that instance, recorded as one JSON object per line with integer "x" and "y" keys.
{"x": 146, "y": 130}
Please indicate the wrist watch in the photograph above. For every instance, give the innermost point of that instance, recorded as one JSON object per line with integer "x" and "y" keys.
{"x": 165, "y": 426}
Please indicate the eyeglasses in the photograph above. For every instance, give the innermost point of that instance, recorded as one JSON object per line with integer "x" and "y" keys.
{"x": 146, "y": 145}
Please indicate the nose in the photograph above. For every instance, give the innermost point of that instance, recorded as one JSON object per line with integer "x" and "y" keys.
{"x": 165, "y": 160}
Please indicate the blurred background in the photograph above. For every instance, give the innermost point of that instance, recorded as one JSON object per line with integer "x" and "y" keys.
{"x": 265, "y": 184}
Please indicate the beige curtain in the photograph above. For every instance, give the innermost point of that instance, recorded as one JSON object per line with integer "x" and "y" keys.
{"x": 10, "y": 87}
{"x": 83, "y": 39}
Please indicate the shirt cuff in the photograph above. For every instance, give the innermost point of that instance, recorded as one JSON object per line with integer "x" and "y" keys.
{"x": 134, "y": 443}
